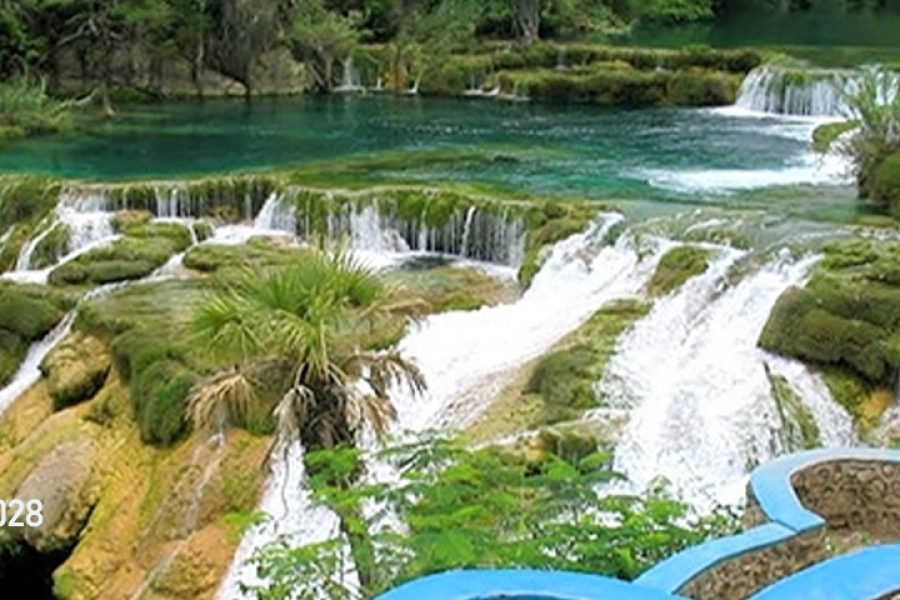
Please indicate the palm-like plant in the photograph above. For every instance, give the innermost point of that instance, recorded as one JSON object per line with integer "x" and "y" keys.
{"x": 314, "y": 321}
{"x": 875, "y": 105}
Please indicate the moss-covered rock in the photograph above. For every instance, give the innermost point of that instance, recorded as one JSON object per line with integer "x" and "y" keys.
{"x": 125, "y": 259}
{"x": 51, "y": 248}
{"x": 256, "y": 253}
{"x": 76, "y": 370}
{"x": 178, "y": 234}
{"x": 30, "y": 311}
{"x": 624, "y": 87}
{"x": 848, "y": 315}
{"x": 12, "y": 352}
{"x": 453, "y": 287}
{"x": 677, "y": 266}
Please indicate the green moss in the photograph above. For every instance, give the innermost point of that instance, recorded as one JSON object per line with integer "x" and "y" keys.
{"x": 178, "y": 234}
{"x": 565, "y": 377}
{"x": 159, "y": 395}
{"x": 257, "y": 252}
{"x": 12, "y": 352}
{"x": 676, "y": 267}
{"x": 125, "y": 259}
{"x": 799, "y": 428}
{"x": 847, "y": 389}
{"x": 30, "y": 311}
{"x": 838, "y": 323}
{"x": 448, "y": 287}
{"x": 26, "y": 199}
{"x": 885, "y": 187}
{"x": 624, "y": 87}
{"x": 825, "y": 135}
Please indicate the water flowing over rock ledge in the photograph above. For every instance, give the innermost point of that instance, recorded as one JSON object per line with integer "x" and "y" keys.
{"x": 485, "y": 228}
{"x": 848, "y": 488}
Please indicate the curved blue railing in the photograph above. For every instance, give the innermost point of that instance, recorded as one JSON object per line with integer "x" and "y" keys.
{"x": 868, "y": 574}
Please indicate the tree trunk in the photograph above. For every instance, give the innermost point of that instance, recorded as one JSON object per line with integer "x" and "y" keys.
{"x": 527, "y": 16}
{"x": 197, "y": 67}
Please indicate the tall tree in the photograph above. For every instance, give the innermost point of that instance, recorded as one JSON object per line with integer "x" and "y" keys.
{"x": 243, "y": 30}
{"x": 319, "y": 37}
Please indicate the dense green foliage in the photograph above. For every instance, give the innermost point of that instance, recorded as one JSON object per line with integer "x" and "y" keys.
{"x": 876, "y": 139}
{"x": 825, "y": 135}
{"x": 157, "y": 47}
{"x": 26, "y": 109}
{"x": 482, "y": 508}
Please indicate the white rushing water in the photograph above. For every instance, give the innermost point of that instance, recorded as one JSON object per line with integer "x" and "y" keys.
{"x": 87, "y": 224}
{"x": 808, "y": 92}
{"x": 467, "y": 357}
{"x": 702, "y": 408}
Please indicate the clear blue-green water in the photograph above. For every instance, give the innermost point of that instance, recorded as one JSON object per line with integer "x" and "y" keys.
{"x": 542, "y": 149}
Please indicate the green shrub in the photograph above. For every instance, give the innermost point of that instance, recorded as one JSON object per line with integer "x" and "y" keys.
{"x": 25, "y": 105}
{"x": 885, "y": 188}
{"x": 676, "y": 267}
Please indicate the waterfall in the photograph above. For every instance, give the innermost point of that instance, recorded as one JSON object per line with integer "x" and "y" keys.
{"x": 276, "y": 215}
{"x": 350, "y": 79}
{"x": 495, "y": 235}
{"x": 293, "y": 517}
{"x": 702, "y": 410}
{"x": 23, "y": 262}
{"x": 86, "y": 222}
{"x": 466, "y": 358}
{"x": 804, "y": 92}
{"x": 30, "y": 370}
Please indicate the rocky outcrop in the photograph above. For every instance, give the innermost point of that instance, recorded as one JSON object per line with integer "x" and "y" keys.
{"x": 76, "y": 370}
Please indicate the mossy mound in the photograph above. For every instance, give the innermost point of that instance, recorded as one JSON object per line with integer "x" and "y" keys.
{"x": 125, "y": 259}
{"x": 848, "y": 315}
{"x": 824, "y": 136}
{"x": 76, "y": 370}
{"x": 454, "y": 287}
{"x": 677, "y": 266}
{"x": 146, "y": 328}
{"x": 885, "y": 185}
{"x": 258, "y": 252}
{"x": 624, "y": 87}
{"x": 27, "y": 313}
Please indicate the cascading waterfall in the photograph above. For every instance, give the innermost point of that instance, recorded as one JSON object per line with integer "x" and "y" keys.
{"x": 803, "y": 92}
{"x": 702, "y": 410}
{"x": 470, "y": 233}
{"x": 85, "y": 219}
{"x": 466, "y": 358}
